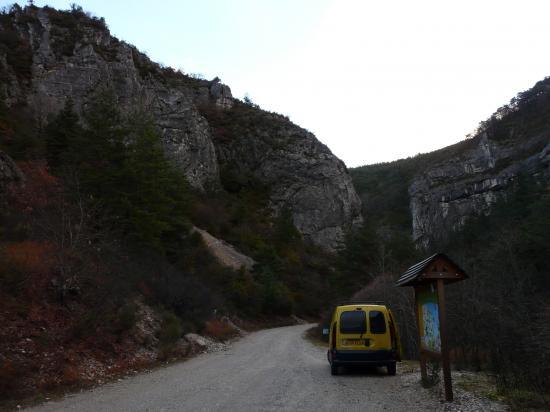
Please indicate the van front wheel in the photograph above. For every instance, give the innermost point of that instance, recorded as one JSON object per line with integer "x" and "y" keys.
{"x": 333, "y": 369}
{"x": 391, "y": 368}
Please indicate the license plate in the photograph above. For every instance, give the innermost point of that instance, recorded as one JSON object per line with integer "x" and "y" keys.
{"x": 354, "y": 342}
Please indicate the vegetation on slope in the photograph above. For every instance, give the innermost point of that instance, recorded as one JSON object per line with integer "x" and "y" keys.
{"x": 499, "y": 316}
{"x": 101, "y": 230}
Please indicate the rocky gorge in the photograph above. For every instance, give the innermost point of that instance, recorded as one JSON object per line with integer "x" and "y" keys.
{"x": 142, "y": 209}
{"x": 64, "y": 56}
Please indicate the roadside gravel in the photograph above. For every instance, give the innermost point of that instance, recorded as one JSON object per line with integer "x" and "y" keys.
{"x": 270, "y": 370}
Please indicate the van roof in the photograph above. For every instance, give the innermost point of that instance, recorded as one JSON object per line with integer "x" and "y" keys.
{"x": 362, "y": 305}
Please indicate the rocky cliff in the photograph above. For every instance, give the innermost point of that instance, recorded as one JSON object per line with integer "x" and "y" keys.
{"x": 447, "y": 193}
{"x": 302, "y": 174}
{"x": 432, "y": 195}
{"x": 49, "y": 56}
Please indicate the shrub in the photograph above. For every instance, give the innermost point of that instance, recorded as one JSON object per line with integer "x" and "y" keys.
{"x": 86, "y": 325}
{"x": 18, "y": 51}
{"x": 277, "y": 299}
{"x": 127, "y": 317}
{"x": 246, "y": 294}
{"x": 71, "y": 375}
{"x": 8, "y": 378}
{"x": 20, "y": 260}
{"x": 12, "y": 278}
{"x": 218, "y": 329}
{"x": 170, "y": 330}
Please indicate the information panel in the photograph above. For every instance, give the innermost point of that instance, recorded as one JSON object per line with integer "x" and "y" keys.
{"x": 428, "y": 316}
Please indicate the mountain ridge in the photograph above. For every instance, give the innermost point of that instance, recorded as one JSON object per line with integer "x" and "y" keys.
{"x": 70, "y": 54}
{"x": 446, "y": 187}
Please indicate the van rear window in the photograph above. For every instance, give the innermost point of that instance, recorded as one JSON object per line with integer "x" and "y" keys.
{"x": 377, "y": 322}
{"x": 353, "y": 321}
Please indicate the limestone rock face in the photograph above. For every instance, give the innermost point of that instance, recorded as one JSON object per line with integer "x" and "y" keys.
{"x": 97, "y": 60}
{"x": 446, "y": 194}
{"x": 303, "y": 175}
{"x": 72, "y": 56}
{"x": 221, "y": 94}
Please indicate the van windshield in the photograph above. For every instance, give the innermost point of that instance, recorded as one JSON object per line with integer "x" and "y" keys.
{"x": 353, "y": 321}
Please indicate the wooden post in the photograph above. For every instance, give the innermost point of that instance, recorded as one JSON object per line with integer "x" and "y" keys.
{"x": 443, "y": 335}
{"x": 423, "y": 371}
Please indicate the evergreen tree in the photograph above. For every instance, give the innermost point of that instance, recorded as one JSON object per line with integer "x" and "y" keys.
{"x": 103, "y": 149}
{"x": 62, "y": 138}
{"x": 120, "y": 165}
{"x": 155, "y": 194}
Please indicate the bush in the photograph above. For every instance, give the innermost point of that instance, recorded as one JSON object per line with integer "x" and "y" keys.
{"x": 170, "y": 330}
{"x": 8, "y": 378}
{"x": 220, "y": 330}
{"x": 12, "y": 279}
{"x": 86, "y": 325}
{"x": 277, "y": 298}
{"x": 127, "y": 317}
{"x": 246, "y": 294}
{"x": 70, "y": 375}
{"x": 17, "y": 49}
{"x": 187, "y": 297}
{"x": 20, "y": 260}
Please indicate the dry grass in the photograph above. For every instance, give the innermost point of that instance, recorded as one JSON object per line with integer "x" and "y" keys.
{"x": 71, "y": 375}
{"x": 219, "y": 330}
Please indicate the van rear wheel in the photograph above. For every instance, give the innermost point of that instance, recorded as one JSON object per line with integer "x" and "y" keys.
{"x": 392, "y": 369}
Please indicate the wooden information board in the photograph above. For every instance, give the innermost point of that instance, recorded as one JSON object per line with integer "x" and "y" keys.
{"x": 428, "y": 278}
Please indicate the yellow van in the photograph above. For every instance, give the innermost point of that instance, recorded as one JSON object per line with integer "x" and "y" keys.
{"x": 363, "y": 334}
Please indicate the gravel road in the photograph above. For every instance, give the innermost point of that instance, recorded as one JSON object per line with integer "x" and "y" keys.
{"x": 271, "y": 370}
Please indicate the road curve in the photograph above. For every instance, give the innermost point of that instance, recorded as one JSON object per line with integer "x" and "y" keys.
{"x": 270, "y": 370}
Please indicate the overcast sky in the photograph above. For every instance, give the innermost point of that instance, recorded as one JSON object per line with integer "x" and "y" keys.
{"x": 374, "y": 80}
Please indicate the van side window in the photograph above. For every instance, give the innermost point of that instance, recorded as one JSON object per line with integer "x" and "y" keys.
{"x": 377, "y": 322}
{"x": 353, "y": 321}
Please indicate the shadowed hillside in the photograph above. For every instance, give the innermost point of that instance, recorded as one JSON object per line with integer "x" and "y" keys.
{"x": 486, "y": 202}
{"x": 107, "y": 163}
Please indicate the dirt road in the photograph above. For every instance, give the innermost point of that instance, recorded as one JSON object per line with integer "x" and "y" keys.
{"x": 271, "y": 370}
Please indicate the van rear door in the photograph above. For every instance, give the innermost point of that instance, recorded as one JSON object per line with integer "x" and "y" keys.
{"x": 353, "y": 329}
{"x": 378, "y": 330}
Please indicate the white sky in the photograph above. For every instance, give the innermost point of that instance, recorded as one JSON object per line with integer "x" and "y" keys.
{"x": 374, "y": 80}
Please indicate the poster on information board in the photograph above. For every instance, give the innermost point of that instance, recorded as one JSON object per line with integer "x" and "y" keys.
{"x": 428, "y": 316}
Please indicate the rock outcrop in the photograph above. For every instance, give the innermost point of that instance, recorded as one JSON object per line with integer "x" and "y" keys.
{"x": 74, "y": 56}
{"x": 303, "y": 176}
{"x": 9, "y": 172}
{"x": 63, "y": 55}
{"x": 446, "y": 194}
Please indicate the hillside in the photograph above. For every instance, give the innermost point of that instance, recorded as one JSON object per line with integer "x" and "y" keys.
{"x": 437, "y": 192}
{"x": 139, "y": 204}
{"x": 51, "y": 56}
{"x": 485, "y": 201}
